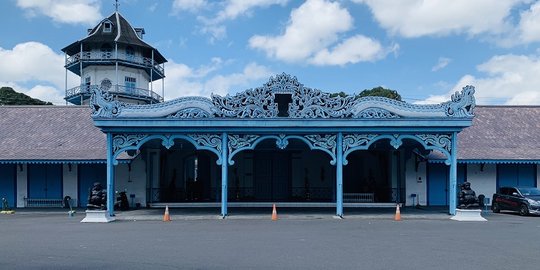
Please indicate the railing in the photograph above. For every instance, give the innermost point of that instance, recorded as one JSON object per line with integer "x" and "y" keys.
{"x": 115, "y": 89}
{"x": 30, "y": 202}
{"x": 312, "y": 194}
{"x": 297, "y": 194}
{"x": 358, "y": 197}
{"x": 109, "y": 56}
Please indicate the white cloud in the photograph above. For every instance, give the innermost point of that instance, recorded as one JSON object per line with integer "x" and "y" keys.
{"x": 32, "y": 61}
{"x": 228, "y": 10}
{"x": 312, "y": 27}
{"x": 507, "y": 79}
{"x": 188, "y": 5}
{"x": 313, "y": 33}
{"x": 223, "y": 84}
{"x": 442, "y": 63}
{"x": 235, "y": 8}
{"x": 64, "y": 11}
{"x": 353, "y": 50}
{"x": 415, "y": 18}
{"x": 36, "y": 64}
{"x": 183, "y": 80}
{"x": 529, "y": 25}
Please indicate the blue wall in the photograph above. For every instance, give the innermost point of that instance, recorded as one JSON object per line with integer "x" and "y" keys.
{"x": 88, "y": 175}
{"x": 45, "y": 181}
{"x": 523, "y": 175}
{"x": 8, "y": 183}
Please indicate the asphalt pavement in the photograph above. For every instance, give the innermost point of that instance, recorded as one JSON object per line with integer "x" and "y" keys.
{"x": 248, "y": 239}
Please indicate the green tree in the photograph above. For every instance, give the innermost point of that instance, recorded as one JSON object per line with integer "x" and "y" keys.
{"x": 8, "y": 96}
{"x": 380, "y": 92}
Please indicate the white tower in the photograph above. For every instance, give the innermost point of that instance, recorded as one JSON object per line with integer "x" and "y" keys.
{"x": 114, "y": 57}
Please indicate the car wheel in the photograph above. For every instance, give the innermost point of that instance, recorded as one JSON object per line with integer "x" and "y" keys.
{"x": 495, "y": 208}
{"x": 524, "y": 210}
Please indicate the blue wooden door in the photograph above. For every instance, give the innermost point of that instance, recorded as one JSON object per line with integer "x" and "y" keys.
{"x": 45, "y": 181}
{"x": 8, "y": 178}
{"x": 512, "y": 175}
{"x": 438, "y": 182}
{"x": 88, "y": 175}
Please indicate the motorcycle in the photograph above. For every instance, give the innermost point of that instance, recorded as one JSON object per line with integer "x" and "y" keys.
{"x": 121, "y": 202}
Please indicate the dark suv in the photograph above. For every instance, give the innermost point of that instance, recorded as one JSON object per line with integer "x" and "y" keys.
{"x": 525, "y": 200}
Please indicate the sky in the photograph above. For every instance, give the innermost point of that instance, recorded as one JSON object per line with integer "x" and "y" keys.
{"x": 424, "y": 49}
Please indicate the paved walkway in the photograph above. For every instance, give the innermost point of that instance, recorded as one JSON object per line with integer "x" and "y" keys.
{"x": 428, "y": 213}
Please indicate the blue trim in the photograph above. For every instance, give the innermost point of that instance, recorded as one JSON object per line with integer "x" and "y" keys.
{"x": 224, "y": 174}
{"x": 491, "y": 161}
{"x": 110, "y": 175}
{"x": 280, "y": 140}
{"x": 284, "y": 125}
{"x": 339, "y": 176}
{"x": 167, "y": 142}
{"x": 453, "y": 176}
{"x": 64, "y": 161}
{"x": 396, "y": 142}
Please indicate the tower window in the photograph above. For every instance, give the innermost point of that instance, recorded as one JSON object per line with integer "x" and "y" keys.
{"x": 130, "y": 84}
{"x": 107, "y": 27}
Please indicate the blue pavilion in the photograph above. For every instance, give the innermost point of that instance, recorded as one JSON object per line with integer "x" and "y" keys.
{"x": 281, "y": 142}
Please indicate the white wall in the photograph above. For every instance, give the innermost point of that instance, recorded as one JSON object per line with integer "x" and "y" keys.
{"x": 482, "y": 181}
{"x": 133, "y": 182}
{"x": 98, "y": 73}
{"x": 22, "y": 184}
{"x": 69, "y": 185}
{"x": 415, "y": 182}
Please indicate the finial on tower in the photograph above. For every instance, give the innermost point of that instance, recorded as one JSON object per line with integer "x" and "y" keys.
{"x": 116, "y": 5}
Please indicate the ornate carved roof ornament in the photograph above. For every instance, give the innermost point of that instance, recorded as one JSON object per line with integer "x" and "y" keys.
{"x": 300, "y": 102}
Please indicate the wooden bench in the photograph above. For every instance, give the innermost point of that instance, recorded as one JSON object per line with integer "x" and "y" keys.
{"x": 358, "y": 197}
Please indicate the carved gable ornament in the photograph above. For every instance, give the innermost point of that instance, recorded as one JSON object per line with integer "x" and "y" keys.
{"x": 283, "y": 96}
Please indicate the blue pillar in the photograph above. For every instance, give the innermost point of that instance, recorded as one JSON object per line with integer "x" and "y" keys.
{"x": 339, "y": 175}
{"x": 224, "y": 180}
{"x": 110, "y": 175}
{"x": 453, "y": 175}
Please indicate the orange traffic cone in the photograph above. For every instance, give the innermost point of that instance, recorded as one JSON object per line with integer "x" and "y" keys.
{"x": 274, "y": 212}
{"x": 166, "y": 216}
{"x": 397, "y": 217}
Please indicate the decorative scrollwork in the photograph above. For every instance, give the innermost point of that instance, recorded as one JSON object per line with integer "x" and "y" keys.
{"x": 240, "y": 141}
{"x": 190, "y": 113}
{"x": 207, "y": 140}
{"x": 103, "y": 104}
{"x": 462, "y": 103}
{"x": 443, "y": 141}
{"x": 122, "y": 141}
{"x": 376, "y": 113}
{"x": 252, "y": 103}
{"x": 357, "y": 140}
{"x": 327, "y": 142}
{"x": 283, "y": 84}
{"x": 282, "y": 142}
{"x": 312, "y": 103}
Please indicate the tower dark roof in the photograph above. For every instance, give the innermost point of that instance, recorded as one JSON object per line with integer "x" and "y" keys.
{"x": 121, "y": 32}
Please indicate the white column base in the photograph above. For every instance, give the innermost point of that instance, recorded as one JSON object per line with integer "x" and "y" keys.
{"x": 468, "y": 215}
{"x": 97, "y": 216}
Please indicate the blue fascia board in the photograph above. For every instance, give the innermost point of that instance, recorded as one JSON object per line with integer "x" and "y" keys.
{"x": 491, "y": 161}
{"x": 36, "y": 161}
{"x": 284, "y": 123}
{"x": 281, "y": 125}
{"x": 299, "y": 130}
